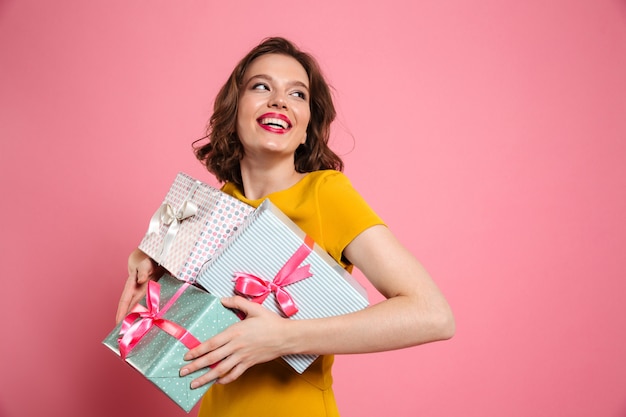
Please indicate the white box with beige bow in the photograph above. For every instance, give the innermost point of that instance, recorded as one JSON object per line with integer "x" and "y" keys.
{"x": 193, "y": 221}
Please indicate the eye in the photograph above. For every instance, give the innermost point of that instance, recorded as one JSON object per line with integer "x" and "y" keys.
{"x": 299, "y": 94}
{"x": 260, "y": 86}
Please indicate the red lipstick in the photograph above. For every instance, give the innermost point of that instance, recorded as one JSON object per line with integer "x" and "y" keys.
{"x": 274, "y": 122}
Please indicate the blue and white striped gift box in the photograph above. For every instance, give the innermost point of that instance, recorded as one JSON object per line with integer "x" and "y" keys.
{"x": 261, "y": 246}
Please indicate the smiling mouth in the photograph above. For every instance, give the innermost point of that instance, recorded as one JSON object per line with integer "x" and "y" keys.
{"x": 274, "y": 123}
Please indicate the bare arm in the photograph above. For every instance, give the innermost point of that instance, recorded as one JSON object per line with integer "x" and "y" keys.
{"x": 415, "y": 311}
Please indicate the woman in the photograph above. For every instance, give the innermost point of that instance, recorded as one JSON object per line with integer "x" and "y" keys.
{"x": 268, "y": 139}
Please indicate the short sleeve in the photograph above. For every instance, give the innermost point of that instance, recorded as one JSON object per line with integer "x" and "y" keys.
{"x": 344, "y": 214}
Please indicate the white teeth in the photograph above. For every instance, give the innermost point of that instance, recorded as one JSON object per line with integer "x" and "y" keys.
{"x": 275, "y": 122}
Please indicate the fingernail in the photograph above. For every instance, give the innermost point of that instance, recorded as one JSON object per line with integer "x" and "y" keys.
{"x": 184, "y": 372}
{"x": 194, "y": 385}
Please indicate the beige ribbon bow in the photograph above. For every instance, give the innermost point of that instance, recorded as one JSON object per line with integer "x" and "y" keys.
{"x": 166, "y": 215}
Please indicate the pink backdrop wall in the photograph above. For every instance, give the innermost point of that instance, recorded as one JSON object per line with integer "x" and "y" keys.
{"x": 491, "y": 135}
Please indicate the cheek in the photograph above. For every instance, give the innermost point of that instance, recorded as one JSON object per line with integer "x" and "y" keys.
{"x": 244, "y": 118}
{"x": 245, "y": 109}
{"x": 304, "y": 118}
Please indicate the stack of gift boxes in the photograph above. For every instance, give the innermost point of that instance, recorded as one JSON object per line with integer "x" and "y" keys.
{"x": 214, "y": 246}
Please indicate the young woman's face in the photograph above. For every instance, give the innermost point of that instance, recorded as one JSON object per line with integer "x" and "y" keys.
{"x": 274, "y": 108}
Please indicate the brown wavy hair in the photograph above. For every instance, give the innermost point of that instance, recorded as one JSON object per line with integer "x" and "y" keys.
{"x": 222, "y": 153}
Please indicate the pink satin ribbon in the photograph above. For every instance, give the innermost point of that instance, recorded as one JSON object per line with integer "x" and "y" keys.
{"x": 141, "y": 319}
{"x": 258, "y": 288}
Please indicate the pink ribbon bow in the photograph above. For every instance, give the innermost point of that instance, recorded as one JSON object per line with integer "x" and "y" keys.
{"x": 141, "y": 319}
{"x": 258, "y": 288}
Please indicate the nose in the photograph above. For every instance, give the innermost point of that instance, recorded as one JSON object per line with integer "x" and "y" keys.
{"x": 278, "y": 101}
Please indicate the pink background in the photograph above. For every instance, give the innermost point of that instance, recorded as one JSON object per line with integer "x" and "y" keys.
{"x": 491, "y": 135}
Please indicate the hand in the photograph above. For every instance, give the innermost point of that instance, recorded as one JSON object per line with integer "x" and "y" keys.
{"x": 141, "y": 269}
{"x": 259, "y": 338}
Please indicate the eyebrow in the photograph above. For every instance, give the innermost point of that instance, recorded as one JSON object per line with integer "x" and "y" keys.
{"x": 268, "y": 78}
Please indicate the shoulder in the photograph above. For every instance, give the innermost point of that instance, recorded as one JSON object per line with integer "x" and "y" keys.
{"x": 325, "y": 175}
{"x": 327, "y": 180}
{"x": 336, "y": 198}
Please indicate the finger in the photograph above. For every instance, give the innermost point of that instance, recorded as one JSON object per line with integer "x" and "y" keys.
{"x": 122, "y": 311}
{"x": 140, "y": 266}
{"x": 142, "y": 277}
{"x": 246, "y": 307}
{"x": 217, "y": 373}
{"x": 210, "y": 345}
{"x": 207, "y": 354}
{"x": 126, "y": 300}
{"x": 131, "y": 295}
{"x": 145, "y": 270}
{"x": 231, "y": 375}
{"x": 217, "y": 367}
{"x": 203, "y": 380}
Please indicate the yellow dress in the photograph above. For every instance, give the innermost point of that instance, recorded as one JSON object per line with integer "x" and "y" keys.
{"x": 325, "y": 205}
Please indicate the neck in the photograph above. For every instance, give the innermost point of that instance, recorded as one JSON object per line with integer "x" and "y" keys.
{"x": 260, "y": 180}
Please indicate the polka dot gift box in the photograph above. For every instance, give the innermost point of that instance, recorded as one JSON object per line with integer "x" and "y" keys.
{"x": 193, "y": 221}
{"x": 173, "y": 318}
